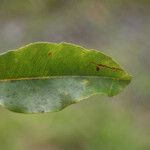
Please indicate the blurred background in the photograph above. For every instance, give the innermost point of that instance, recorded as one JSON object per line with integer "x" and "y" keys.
{"x": 119, "y": 28}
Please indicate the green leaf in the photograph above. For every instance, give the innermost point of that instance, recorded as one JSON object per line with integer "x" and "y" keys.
{"x": 47, "y": 77}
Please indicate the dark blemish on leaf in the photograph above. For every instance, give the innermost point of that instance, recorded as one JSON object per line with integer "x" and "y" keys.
{"x": 49, "y": 53}
{"x": 99, "y": 66}
{"x": 14, "y": 93}
{"x": 41, "y": 111}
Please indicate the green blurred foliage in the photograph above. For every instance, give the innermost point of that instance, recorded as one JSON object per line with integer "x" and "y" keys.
{"x": 117, "y": 27}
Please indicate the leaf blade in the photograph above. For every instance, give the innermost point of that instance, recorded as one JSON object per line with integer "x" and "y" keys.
{"x": 50, "y": 71}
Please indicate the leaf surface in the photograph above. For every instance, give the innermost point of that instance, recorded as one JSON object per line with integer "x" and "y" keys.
{"x": 47, "y": 77}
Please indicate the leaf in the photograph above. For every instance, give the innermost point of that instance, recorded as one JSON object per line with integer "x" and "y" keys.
{"x": 47, "y": 77}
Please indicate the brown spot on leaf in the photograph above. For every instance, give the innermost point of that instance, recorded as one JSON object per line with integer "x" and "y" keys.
{"x": 49, "y": 53}
{"x": 99, "y": 66}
